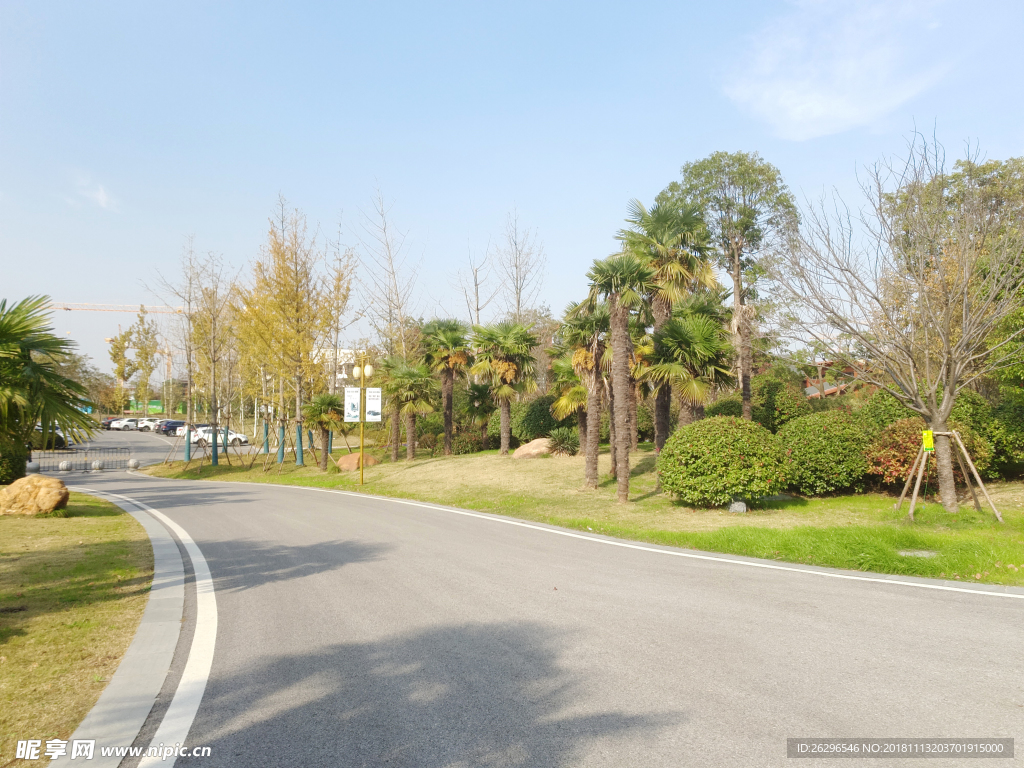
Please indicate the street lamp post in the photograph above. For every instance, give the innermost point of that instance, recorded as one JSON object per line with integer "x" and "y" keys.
{"x": 362, "y": 371}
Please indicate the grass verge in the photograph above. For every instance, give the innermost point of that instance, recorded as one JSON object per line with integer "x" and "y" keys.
{"x": 858, "y": 532}
{"x": 72, "y": 593}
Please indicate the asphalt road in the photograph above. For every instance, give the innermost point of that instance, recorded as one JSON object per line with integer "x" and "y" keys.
{"x": 355, "y": 631}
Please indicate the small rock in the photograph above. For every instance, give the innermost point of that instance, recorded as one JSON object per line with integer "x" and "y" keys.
{"x": 33, "y": 495}
{"x": 738, "y": 507}
{"x": 350, "y": 462}
{"x": 539, "y": 447}
{"x": 917, "y": 553}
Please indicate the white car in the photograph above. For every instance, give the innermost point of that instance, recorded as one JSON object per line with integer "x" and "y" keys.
{"x": 125, "y": 425}
{"x": 202, "y": 437}
{"x": 148, "y": 425}
{"x": 180, "y": 431}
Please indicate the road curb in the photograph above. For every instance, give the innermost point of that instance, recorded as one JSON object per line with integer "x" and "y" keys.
{"x": 118, "y": 715}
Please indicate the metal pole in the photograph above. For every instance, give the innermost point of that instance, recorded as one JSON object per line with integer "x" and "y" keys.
{"x": 266, "y": 437}
{"x": 188, "y": 443}
{"x": 298, "y": 445}
{"x": 280, "y": 444}
{"x": 362, "y": 414}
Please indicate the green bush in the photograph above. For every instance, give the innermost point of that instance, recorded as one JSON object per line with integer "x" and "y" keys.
{"x": 891, "y": 454}
{"x": 714, "y": 461}
{"x": 533, "y": 419}
{"x": 881, "y": 410}
{"x": 645, "y": 422}
{"x": 12, "y": 462}
{"x": 825, "y": 453}
{"x": 730, "y": 405}
{"x": 494, "y": 427}
{"x": 1006, "y": 434}
{"x": 775, "y": 403}
{"x": 565, "y": 441}
{"x": 463, "y": 443}
{"x": 430, "y": 424}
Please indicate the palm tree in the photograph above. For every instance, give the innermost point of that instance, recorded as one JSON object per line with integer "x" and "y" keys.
{"x": 693, "y": 356}
{"x": 324, "y": 413}
{"x": 624, "y": 280}
{"x": 585, "y": 332}
{"x": 447, "y": 353}
{"x": 505, "y": 359}
{"x": 479, "y": 409}
{"x": 569, "y": 392}
{"x": 411, "y": 390}
{"x": 32, "y": 391}
{"x": 674, "y": 242}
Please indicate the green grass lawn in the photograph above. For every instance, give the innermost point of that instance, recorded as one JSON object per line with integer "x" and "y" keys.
{"x": 859, "y": 532}
{"x": 72, "y": 593}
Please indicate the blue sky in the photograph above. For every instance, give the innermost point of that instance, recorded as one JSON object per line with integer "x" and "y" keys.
{"x": 126, "y": 127}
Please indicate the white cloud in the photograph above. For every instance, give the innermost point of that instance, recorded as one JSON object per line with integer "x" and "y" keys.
{"x": 94, "y": 193}
{"x": 831, "y": 65}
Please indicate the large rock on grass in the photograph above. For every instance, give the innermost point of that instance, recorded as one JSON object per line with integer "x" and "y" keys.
{"x": 539, "y": 447}
{"x": 33, "y": 495}
{"x": 350, "y": 462}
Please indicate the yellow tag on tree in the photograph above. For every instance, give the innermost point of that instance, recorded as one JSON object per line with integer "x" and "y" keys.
{"x": 928, "y": 440}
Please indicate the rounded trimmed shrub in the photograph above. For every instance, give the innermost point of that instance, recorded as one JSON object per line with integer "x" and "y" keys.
{"x": 565, "y": 441}
{"x": 714, "y": 461}
{"x": 825, "y": 453}
{"x": 891, "y": 455}
{"x": 775, "y": 403}
{"x": 730, "y": 405}
{"x": 879, "y": 411}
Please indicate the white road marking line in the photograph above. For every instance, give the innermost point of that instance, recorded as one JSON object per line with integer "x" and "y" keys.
{"x": 624, "y": 544}
{"x": 180, "y": 715}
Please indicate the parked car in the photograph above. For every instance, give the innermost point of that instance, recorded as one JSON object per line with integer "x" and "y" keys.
{"x": 181, "y": 430}
{"x": 148, "y": 425}
{"x": 125, "y": 425}
{"x": 202, "y": 437}
{"x": 108, "y": 421}
{"x": 169, "y": 426}
{"x": 54, "y": 440}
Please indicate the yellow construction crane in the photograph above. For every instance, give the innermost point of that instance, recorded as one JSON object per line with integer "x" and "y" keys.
{"x": 133, "y": 308}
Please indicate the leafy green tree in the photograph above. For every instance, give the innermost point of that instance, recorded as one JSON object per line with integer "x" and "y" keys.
{"x": 124, "y": 367}
{"x": 749, "y": 211}
{"x": 146, "y": 342}
{"x": 623, "y": 281}
{"x": 32, "y": 391}
{"x": 448, "y": 353}
{"x": 324, "y": 413}
{"x": 673, "y": 240}
{"x": 505, "y": 360}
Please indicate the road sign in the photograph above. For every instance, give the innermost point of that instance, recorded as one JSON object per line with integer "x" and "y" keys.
{"x": 373, "y": 404}
{"x": 351, "y": 403}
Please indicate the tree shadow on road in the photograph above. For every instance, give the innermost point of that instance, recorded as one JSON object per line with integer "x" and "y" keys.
{"x": 467, "y": 695}
{"x": 243, "y": 564}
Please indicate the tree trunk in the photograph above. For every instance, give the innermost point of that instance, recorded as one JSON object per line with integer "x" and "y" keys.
{"x": 593, "y": 434}
{"x": 410, "y": 436}
{"x": 323, "y": 448}
{"x": 944, "y": 468}
{"x": 581, "y": 428}
{"x": 506, "y": 426}
{"x": 447, "y": 392}
{"x": 662, "y": 413}
{"x": 663, "y": 399}
{"x": 613, "y": 446}
{"x": 396, "y": 434}
{"x": 621, "y": 386}
{"x": 689, "y": 413}
{"x": 742, "y": 335}
{"x": 483, "y": 437}
{"x": 634, "y": 417}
